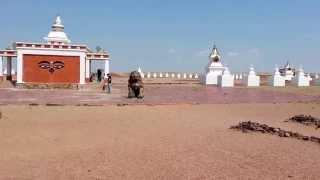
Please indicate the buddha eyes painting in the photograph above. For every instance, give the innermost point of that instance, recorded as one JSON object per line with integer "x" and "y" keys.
{"x": 51, "y": 65}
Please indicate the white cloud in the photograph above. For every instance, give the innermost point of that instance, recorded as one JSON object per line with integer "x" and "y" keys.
{"x": 254, "y": 51}
{"x": 202, "y": 53}
{"x": 233, "y": 54}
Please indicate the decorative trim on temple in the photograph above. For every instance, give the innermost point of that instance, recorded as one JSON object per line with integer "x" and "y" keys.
{"x": 50, "y": 46}
{"x": 8, "y": 53}
{"x": 36, "y": 46}
{"x": 97, "y": 56}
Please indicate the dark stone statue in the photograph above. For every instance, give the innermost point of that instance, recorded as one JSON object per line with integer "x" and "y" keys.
{"x": 135, "y": 85}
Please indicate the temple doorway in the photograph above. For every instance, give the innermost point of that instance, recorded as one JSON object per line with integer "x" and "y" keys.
{"x": 97, "y": 70}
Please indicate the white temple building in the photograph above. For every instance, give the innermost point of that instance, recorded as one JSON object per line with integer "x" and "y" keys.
{"x": 214, "y": 68}
{"x": 252, "y": 79}
{"x": 277, "y": 79}
{"x": 55, "y": 61}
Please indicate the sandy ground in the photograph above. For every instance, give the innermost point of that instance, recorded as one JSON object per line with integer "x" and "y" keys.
{"x": 311, "y": 90}
{"x": 154, "y": 142}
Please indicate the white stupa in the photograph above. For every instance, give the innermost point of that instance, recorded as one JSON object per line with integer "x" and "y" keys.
{"x": 252, "y": 79}
{"x": 301, "y": 79}
{"x": 309, "y": 77}
{"x": 184, "y": 75}
{"x": 196, "y": 76}
{"x": 57, "y": 34}
{"x": 13, "y": 71}
{"x": 178, "y": 75}
{"x": 226, "y": 79}
{"x": 154, "y": 75}
{"x": 148, "y": 75}
{"x": 278, "y": 80}
{"x": 214, "y": 68}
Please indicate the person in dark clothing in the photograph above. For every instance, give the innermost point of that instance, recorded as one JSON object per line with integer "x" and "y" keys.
{"x": 109, "y": 83}
{"x": 99, "y": 74}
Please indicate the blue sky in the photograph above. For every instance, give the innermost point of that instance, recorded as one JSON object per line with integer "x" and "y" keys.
{"x": 176, "y": 35}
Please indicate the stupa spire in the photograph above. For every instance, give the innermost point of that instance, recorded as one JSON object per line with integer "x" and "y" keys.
{"x": 288, "y": 65}
{"x": 57, "y": 24}
{"x": 57, "y": 34}
{"x": 215, "y": 55}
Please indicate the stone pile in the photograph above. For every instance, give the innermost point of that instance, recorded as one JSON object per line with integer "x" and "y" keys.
{"x": 306, "y": 120}
{"x": 263, "y": 128}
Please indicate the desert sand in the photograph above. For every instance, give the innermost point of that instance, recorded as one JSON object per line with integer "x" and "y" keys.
{"x": 154, "y": 142}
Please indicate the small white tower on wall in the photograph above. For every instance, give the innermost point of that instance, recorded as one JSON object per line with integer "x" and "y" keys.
{"x": 57, "y": 34}
{"x": 214, "y": 68}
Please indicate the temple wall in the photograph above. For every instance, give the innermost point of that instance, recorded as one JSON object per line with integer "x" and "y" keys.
{"x": 34, "y": 73}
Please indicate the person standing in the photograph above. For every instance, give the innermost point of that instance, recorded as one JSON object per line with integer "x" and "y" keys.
{"x": 109, "y": 83}
{"x": 99, "y": 75}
